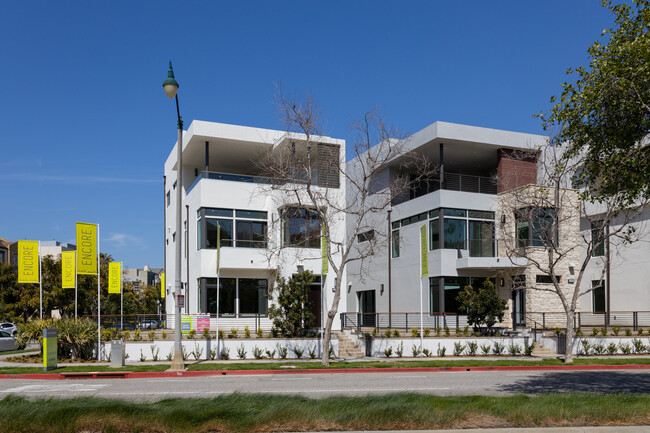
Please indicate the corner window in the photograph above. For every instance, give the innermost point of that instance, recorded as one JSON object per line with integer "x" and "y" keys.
{"x": 169, "y": 199}
{"x": 236, "y": 228}
{"x": 251, "y": 294}
{"x": 300, "y": 228}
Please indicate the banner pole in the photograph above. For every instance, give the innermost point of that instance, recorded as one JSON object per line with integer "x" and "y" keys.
{"x": 99, "y": 303}
{"x": 40, "y": 281}
{"x": 121, "y": 300}
{"x": 76, "y": 284}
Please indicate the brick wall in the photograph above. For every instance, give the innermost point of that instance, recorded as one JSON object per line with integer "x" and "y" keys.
{"x": 515, "y": 169}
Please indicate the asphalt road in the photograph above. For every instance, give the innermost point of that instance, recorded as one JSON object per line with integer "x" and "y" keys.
{"x": 324, "y": 385}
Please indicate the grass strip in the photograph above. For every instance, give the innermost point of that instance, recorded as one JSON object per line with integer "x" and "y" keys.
{"x": 268, "y": 413}
{"x": 218, "y": 366}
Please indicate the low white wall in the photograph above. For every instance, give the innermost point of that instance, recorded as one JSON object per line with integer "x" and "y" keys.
{"x": 204, "y": 347}
{"x": 434, "y": 343}
{"x": 551, "y": 343}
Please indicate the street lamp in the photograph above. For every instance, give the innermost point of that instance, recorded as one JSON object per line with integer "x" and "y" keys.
{"x": 171, "y": 88}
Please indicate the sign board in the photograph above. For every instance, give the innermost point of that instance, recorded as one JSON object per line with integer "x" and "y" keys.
{"x": 115, "y": 277}
{"x": 424, "y": 253}
{"x": 162, "y": 285}
{"x": 180, "y": 299}
{"x": 68, "y": 271}
{"x": 202, "y": 323}
{"x": 49, "y": 349}
{"x": 186, "y": 324}
{"x": 87, "y": 249}
{"x": 28, "y": 262}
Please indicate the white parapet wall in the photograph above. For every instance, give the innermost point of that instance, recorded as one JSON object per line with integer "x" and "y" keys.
{"x": 435, "y": 345}
{"x": 204, "y": 348}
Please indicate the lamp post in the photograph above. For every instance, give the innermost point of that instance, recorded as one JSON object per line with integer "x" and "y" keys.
{"x": 171, "y": 88}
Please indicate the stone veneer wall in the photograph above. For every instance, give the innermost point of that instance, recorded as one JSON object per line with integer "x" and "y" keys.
{"x": 538, "y": 299}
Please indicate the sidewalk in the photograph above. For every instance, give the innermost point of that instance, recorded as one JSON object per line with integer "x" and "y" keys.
{"x": 616, "y": 429}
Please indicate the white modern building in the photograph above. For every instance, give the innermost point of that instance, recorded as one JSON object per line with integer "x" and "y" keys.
{"x": 264, "y": 233}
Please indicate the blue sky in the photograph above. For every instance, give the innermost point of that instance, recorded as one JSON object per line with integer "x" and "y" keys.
{"x": 86, "y": 126}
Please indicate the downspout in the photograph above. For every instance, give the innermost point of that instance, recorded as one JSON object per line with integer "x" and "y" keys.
{"x": 187, "y": 258}
{"x": 390, "y": 256}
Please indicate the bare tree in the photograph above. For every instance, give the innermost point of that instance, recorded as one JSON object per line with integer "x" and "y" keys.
{"x": 339, "y": 205}
{"x": 543, "y": 225}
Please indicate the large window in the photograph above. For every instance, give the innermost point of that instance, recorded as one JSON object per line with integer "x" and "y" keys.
{"x": 536, "y": 227}
{"x": 394, "y": 242}
{"x": 598, "y": 239}
{"x": 238, "y": 228}
{"x": 237, "y": 296}
{"x": 300, "y": 228}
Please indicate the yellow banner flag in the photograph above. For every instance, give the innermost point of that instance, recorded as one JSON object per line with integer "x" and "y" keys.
{"x": 162, "y": 285}
{"x": 115, "y": 277}
{"x": 87, "y": 249}
{"x": 424, "y": 252}
{"x": 68, "y": 280}
{"x": 28, "y": 265}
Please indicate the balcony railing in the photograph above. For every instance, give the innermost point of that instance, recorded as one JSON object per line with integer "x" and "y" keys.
{"x": 477, "y": 248}
{"x": 230, "y": 177}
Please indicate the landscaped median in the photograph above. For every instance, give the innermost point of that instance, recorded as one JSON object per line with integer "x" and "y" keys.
{"x": 252, "y": 413}
{"x": 342, "y": 366}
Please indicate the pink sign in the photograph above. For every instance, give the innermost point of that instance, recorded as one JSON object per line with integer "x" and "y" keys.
{"x": 202, "y": 322}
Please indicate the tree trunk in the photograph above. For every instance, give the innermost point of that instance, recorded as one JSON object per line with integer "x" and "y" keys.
{"x": 331, "y": 314}
{"x": 568, "y": 347}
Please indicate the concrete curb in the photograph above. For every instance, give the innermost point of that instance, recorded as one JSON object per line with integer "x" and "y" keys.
{"x": 169, "y": 374}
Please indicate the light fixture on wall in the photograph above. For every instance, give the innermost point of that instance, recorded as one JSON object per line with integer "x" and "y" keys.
{"x": 503, "y": 218}
{"x": 502, "y": 281}
{"x": 349, "y": 287}
{"x": 381, "y": 289}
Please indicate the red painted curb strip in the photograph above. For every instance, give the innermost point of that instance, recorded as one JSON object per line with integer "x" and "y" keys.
{"x": 163, "y": 374}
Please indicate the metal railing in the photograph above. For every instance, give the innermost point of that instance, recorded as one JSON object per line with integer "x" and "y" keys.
{"x": 632, "y": 320}
{"x": 146, "y": 322}
{"x": 477, "y": 248}
{"x": 405, "y": 321}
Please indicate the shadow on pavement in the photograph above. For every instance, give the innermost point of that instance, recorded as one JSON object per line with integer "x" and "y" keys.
{"x": 604, "y": 382}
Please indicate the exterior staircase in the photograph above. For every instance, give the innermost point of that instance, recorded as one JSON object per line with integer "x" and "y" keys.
{"x": 347, "y": 346}
{"x": 543, "y": 352}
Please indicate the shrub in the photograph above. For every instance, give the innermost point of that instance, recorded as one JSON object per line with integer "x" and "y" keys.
{"x": 438, "y": 330}
{"x": 142, "y": 357}
{"x": 616, "y": 329}
{"x": 374, "y": 332}
{"x": 457, "y": 332}
{"x": 640, "y": 331}
{"x": 638, "y": 346}
{"x": 258, "y": 353}
{"x": 170, "y": 355}
{"x": 190, "y": 335}
{"x": 197, "y": 352}
{"x": 259, "y": 333}
{"x": 599, "y": 349}
{"x": 498, "y": 348}
{"x": 586, "y": 347}
{"x": 127, "y": 335}
{"x": 298, "y": 351}
{"x": 603, "y": 332}
{"x": 247, "y": 332}
{"x": 578, "y": 332}
{"x": 466, "y": 331}
{"x": 233, "y": 332}
{"x": 594, "y": 332}
{"x": 206, "y": 334}
{"x": 426, "y": 352}
{"x": 183, "y": 353}
{"x": 312, "y": 352}
{"x": 154, "y": 352}
{"x": 241, "y": 351}
{"x": 447, "y": 331}
{"x": 225, "y": 354}
{"x": 628, "y": 332}
{"x": 163, "y": 335}
{"x": 221, "y": 334}
{"x": 400, "y": 349}
{"x": 427, "y": 332}
{"x": 514, "y": 350}
{"x": 331, "y": 352}
{"x": 282, "y": 352}
{"x": 388, "y": 333}
{"x": 458, "y": 348}
{"x": 528, "y": 348}
{"x": 270, "y": 353}
{"x": 472, "y": 347}
{"x": 441, "y": 350}
{"x": 137, "y": 335}
{"x": 396, "y": 333}
{"x": 416, "y": 351}
{"x": 612, "y": 349}
{"x": 415, "y": 332}
{"x": 213, "y": 354}
{"x": 151, "y": 335}
{"x": 388, "y": 352}
{"x": 625, "y": 348}
{"x": 485, "y": 349}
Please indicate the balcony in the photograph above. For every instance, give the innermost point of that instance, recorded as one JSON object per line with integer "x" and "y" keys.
{"x": 481, "y": 254}
{"x": 229, "y": 177}
{"x": 452, "y": 182}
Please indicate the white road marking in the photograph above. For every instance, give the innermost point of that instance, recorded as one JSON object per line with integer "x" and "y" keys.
{"x": 295, "y": 378}
{"x": 68, "y": 387}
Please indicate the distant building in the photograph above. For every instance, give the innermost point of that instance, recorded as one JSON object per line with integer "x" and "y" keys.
{"x": 4, "y": 250}
{"x": 142, "y": 277}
